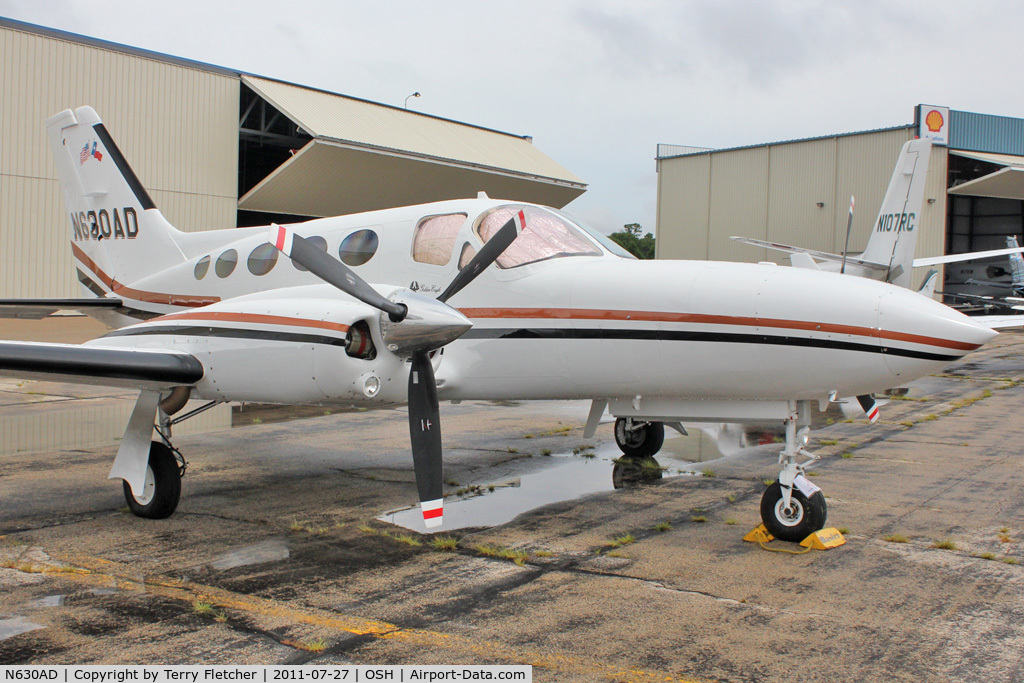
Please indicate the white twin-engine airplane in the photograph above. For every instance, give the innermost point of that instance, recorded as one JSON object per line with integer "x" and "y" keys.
{"x": 285, "y": 314}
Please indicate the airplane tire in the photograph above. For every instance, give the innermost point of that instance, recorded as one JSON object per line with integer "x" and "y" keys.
{"x": 643, "y": 441}
{"x": 808, "y": 514}
{"x": 163, "y": 485}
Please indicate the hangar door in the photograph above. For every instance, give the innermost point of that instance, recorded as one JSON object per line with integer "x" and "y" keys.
{"x": 986, "y": 204}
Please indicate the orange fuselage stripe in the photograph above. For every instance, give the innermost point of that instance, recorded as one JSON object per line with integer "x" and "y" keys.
{"x": 257, "y": 318}
{"x": 138, "y": 294}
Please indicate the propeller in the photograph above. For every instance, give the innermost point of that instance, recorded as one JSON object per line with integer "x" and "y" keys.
{"x": 849, "y": 224}
{"x": 412, "y": 326}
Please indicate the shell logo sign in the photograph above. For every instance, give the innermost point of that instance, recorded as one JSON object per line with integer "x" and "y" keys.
{"x": 933, "y": 124}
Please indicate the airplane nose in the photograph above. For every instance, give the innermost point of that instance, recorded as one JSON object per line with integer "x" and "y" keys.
{"x": 919, "y": 335}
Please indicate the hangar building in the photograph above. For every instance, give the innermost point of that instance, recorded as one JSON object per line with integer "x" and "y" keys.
{"x": 798, "y": 192}
{"x": 219, "y": 148}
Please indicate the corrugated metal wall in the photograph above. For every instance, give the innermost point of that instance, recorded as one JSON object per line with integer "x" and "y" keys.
{"x": 684, "y": 191}
{"x": 802, "y": 175}
{"x": 177, "y": 126}
{"x": 772, "y": 192}
{"x": 739, "y": 187}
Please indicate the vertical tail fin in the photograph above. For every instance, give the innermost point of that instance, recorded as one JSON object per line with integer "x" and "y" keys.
{"x": 894, "y": 237}
{"x": 931, "y": 279}
{"x": 117, "y": 233}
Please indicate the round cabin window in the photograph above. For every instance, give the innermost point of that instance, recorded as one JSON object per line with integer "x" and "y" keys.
{"x": 226, "y": 263}
{"x": 358, "y": 248}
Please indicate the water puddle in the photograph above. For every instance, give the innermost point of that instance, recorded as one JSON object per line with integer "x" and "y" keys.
{"x": 51, "y": 601}
{"x": 272, "y": 550}
{"x": 568, "y": 477}
{"x": 16, "y": 626}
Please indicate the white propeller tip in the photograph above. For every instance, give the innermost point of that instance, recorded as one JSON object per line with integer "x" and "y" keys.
{"x": 281, "y": 237}
{"x": 432, "y": 513}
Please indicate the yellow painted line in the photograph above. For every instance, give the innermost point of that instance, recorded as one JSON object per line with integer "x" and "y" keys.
{"x": 96, "y": 571}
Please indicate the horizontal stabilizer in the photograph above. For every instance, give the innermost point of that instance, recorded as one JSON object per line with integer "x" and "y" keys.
{"x": 821, "y": 255}
{"x": 37, "y": 309}
{"x": 103, "y": 366}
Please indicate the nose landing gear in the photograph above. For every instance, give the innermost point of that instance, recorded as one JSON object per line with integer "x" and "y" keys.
{"x": 793, "y": 508}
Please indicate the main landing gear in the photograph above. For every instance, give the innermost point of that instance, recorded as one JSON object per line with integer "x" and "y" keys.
{"x": 793, "y": 508}
{"x": 639, "y": 442}
{"x": 638, "y": 439}
{"x": 151, "y": 471}
{"x": 159, "y": 497}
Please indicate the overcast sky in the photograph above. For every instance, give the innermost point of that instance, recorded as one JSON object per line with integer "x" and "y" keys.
{"x": 598, "y": 84}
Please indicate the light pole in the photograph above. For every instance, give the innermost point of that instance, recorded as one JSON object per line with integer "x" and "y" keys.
{"x": 415, "y": 94}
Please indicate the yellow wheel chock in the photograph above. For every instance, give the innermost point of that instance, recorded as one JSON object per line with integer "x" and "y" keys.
{"x": 825, "y": 539}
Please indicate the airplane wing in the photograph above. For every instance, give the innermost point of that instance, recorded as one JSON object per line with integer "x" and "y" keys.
{"x": 822, "y": 255}
{"x": 956, "y": 258}
{"x": 36, "y": 309}
{"x": 999, "y": 322}
{"x": 104, "y": 366}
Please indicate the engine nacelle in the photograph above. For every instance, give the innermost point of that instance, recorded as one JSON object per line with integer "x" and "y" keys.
{"x": 300, "y": 345}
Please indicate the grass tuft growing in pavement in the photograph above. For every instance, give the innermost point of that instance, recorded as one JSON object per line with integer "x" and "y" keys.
{"x": 445, "y": 544}
{"x": 619, "y": 541}
{"x": 896, "y": 538}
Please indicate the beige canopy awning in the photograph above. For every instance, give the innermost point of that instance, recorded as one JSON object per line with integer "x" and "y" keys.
{"x": 367, "y": 156}
{"x": 1006, "y": 183}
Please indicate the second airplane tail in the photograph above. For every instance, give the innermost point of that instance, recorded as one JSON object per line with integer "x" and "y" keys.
{"x": 894, "y": 236}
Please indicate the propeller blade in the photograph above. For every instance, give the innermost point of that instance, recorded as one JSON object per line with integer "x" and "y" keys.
{"x": 869, "y": 405}
{"x": 849, "y": 224}
{"x": 425, "y": 434}
{"x": 487, "y": 255}
{"x": 331, "y": 270}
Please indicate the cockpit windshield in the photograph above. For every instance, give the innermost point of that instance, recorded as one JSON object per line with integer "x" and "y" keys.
{"x": 546, "y": 236}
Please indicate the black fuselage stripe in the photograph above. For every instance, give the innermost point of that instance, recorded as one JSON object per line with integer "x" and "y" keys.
{"x": 556, "y": 333}
{"x": 232, "y": 333}
{"x": 698, "y": 336}
{"x": 122, "y": 165}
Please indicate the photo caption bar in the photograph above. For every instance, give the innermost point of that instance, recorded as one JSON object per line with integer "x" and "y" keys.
{"x": 147, "y": 673}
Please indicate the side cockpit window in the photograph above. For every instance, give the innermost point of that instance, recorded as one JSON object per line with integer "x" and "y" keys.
{"x": 434, "y": 241}
{"x": 545, "y": 236}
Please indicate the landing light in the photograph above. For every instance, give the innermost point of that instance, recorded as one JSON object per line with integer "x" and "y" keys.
{"x": 371, "y": 386}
